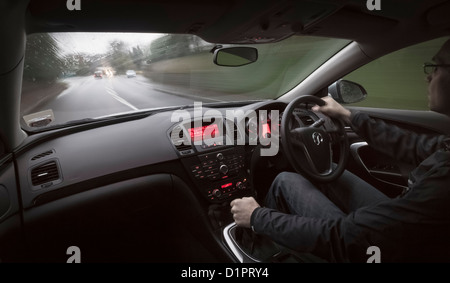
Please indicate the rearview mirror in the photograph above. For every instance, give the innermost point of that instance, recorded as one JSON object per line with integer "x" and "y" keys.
{"x": 347, "y": 92}
{"x": 235, "y": 56}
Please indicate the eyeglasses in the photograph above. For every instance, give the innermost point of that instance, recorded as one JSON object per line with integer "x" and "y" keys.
{"x": 429, "y": 68}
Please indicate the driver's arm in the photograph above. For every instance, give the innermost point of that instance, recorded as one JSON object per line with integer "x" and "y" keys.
{"x": 389, "y": 139}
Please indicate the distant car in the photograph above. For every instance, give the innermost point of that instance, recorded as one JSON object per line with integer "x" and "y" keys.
{"x": 98, "y": 75}
{"x": 131, "y": 74}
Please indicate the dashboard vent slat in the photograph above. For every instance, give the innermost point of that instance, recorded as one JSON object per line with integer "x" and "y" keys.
{"x": 45, "y": 173}
{"x": 237, "y": 136}
{"x": 46, "y": 153}
{"x": 182, "y": 147}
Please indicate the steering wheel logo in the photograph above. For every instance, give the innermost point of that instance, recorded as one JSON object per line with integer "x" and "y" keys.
{"x": 317, "y": 138}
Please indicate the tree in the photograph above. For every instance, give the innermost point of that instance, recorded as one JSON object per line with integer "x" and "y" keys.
{"x": 119, "y": 58}
{"x": 176, "y": 45}
{"x": 43, "y": 60}
{"x": 137, "y": 56}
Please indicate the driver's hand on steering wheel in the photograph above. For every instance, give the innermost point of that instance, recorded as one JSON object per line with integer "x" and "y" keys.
{"x": 242, "y": 210}
{"x": 333, "y": 109}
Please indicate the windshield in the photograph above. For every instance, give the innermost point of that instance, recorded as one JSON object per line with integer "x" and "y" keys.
{"x": 77, "y": 76}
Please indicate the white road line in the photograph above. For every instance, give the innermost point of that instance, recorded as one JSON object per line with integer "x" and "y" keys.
{"x": 120, "y": 99}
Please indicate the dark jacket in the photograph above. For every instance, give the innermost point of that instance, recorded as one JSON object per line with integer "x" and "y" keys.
{"x": 413, "y": 227}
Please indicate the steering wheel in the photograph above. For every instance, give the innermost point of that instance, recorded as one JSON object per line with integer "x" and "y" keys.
{"x": 309, "y": 148}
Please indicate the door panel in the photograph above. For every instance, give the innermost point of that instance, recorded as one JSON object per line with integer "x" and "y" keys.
{"x": 382, "y": 171}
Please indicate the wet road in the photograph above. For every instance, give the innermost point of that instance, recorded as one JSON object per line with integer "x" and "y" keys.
{"x": 88, "y": 97}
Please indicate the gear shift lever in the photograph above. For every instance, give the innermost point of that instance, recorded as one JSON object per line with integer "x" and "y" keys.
{"x": 256, "y": 246}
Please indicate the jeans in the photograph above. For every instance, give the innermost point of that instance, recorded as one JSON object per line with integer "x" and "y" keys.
{"x": 293, "y": 194}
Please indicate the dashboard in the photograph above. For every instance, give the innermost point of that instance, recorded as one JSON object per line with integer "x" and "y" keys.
{"x": 213, "y": 149}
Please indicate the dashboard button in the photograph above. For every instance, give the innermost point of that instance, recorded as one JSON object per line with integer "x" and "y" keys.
{"x": 217, "y": 193}
{"x": 223, "y": 169}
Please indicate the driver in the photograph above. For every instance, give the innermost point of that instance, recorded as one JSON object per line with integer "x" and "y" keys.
{"x": 344, "y": 220}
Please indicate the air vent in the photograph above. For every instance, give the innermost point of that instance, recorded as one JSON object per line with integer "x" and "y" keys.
{"x": 180, "y": 142}
{"x": 45, "y": 173}
{"x": 233, "y": 134}
{"x": 48, "y": 152}
{"x": 183, "y": 147}
{"x": 237, "y": 137}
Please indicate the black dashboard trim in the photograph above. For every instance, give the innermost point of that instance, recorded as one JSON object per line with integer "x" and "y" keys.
{"x": 37, "y": 138}
{"x": 166, "y": 161}
{"x": 173, "y": 167}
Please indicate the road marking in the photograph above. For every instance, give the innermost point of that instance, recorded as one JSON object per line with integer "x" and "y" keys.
{"x": 120, "y": 99}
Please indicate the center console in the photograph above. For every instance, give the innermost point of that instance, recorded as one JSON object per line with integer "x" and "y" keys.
{"x": 210, "y": 156}
{"x": 220, "y": 175}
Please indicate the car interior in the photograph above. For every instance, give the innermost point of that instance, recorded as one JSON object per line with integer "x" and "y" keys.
{"x": 143, "y": 187}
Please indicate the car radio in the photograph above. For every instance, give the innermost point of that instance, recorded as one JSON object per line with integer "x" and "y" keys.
{"x": 220, "y": 175}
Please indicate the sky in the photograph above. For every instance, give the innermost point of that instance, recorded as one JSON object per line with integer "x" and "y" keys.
{"x": 98, "y": 43}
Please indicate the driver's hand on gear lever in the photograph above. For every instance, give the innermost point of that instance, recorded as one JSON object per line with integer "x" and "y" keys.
{"x": 333, "y": 109}
{"x": 242, "y": 210}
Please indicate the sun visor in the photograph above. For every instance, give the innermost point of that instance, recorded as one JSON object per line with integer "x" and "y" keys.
{"x": 276, "y": 22}
{"x": 171, "y": 16}
{"x": 231, "y": 21}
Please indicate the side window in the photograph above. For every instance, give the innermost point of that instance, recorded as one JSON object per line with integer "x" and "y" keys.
{"x": 397, "y": 80}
